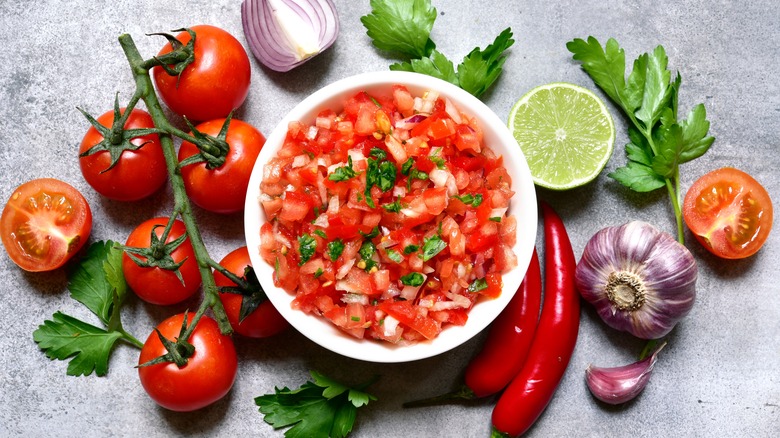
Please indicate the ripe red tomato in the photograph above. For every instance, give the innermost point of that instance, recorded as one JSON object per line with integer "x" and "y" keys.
{"x": 214, "y": 84}
{"x": 223, "y": 189}
{"x": 137, "y": 174}
{"x": 157, "y": 285}
{"x": 262, "y": 322}
{"x": 729, "y": 212}
{"x": 208, "y": 375}
{"x": 44, "y": 223}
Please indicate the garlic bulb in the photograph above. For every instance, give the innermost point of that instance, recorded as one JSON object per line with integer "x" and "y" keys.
{"x": 620, "y": 384}
{"x": 640, "y": 280}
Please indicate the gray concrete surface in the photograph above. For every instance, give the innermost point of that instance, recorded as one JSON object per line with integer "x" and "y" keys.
{"x": 719, "y": 375}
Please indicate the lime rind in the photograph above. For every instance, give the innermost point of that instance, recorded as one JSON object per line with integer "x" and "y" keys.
{"x": 565, "y": 132}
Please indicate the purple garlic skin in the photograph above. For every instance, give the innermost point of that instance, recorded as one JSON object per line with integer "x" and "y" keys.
{"x": 620, "y": 384}
{"x": 639, "y": 279}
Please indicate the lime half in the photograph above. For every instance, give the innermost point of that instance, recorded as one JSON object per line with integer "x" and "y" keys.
{"x": 565, "y": 132}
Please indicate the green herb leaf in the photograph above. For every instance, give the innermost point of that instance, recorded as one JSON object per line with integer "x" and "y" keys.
{"x": 319, "y": 273}
{"x": 343, "y": 173}
{"x": 659, "y": 142}
{"x": 377, "y": 153}
{"x": 366, "y": 251}
{"x": 480, "y": 68}
{"x": 407, "y": 166}
{"x": 307, "y": 246}
{"x": 469, "y": 199}
{"x": 320, "y": 233}
{"x": 410, "y": 249}
{"x": 88, "y": 347}
{"x": 395, "y": 256}
{"x": 432, "y": 246}
{"x": 393, "y": 207}
{"x": 323, "y": 408}
{"x": 374, "y": 232}
{"x": 436, "y": 65}
{"x": 413, "y": 279}
{"x": 657, "y": 91}
{"x": 478, "y": 285}
{"x": 94, "y": 281}
{"x": 401, "y": 26}
{"x": 335, "y": 248}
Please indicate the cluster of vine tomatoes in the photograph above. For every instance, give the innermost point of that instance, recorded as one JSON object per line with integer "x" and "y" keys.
{"x": 47, "y": 221}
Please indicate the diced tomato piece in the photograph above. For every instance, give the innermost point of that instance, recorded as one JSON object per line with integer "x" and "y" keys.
{"x": 466, "y": 138}
{"x": 295, "y": 206}
{"x": 468, "y": 163}
{"x": 494, "y": 285}
{"x": 424, "y": 163}
{"x": 479, "y": 242}
{"x": 441, "y": 128}
{"x": 435, "y": 200}
{"x": 407, "y": 314}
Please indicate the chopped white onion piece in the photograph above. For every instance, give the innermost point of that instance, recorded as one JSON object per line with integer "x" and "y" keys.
{"x": 300, "y": 161}
{"x": 344, "y": 269}
{"x": 452, "y": 111}
{"x": 389, "y": 325}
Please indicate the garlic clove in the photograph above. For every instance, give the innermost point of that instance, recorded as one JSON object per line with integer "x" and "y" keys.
{"x": 620, "y": 384}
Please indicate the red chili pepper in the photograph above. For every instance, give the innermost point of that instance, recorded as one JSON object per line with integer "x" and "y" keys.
{"x": 531, "y": 390}
{"x": 509, "y": 339}
{"x": 506, "y": 346}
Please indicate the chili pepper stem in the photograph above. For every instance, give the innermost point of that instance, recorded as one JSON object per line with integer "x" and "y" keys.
{"x": 462, "y": 393}
{"x": 145, "y": 89}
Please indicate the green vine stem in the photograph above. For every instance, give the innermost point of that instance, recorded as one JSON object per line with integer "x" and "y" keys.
{"x": 145, "y": 91}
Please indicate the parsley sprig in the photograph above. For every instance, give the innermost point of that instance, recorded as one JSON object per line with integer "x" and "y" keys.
{"x": 97, "y": 283}
{"x": 322, "y": 408}
{"x": 659, "y": 141}
{"x": 404, "y": 27}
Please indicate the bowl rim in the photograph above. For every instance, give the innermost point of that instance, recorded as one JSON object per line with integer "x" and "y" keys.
{"x": 321, "y": 331}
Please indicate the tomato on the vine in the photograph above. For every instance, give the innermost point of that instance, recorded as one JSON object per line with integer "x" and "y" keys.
{"x": 265, "y": 320}
{"x": 207, "y": 376}
{"x": 214, "y": 84}
{"x": 44, "y": 223}
{"x": 729, "y": 212}
{"x": 222, "y": 189}
{"x": 154, "y": 284}
{"x": 137, "y": 174}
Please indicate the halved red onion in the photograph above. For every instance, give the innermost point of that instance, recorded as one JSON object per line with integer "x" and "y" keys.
{"x": 284, "y": 34}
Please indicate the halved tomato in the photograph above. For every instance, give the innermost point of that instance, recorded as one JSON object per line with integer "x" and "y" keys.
{"x": 729, "y": 212}
{"x": 44, "y": 224}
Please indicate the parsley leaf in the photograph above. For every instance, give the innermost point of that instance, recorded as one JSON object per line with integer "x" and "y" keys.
{"x": 395, "y": 256}
{"x": 307, "y": 245}
{"x": 469, "y": 199}
{"x": 366, "y": 251}
{"x": 393, "y": 207}
{"x": 323, "y": 408}
{"x": 432, "y": 246}
{"x": 404, "y": 27}
{"x": 401, "y": 26}
{"x": 94, "y": 281}
{"x": 410, "y": 249}
{"x": 98, "y": 283}
{"x": 478, "y": 285}
{"x": 480, "y": 68}
{"x": 335, "y": 248}
{"x": 436, "y": 65}
{"x": 413, "y": 279}
{"x": 87, "y": 346}
{"x": 659, "y": 142}
{"x": 343, "y": 173}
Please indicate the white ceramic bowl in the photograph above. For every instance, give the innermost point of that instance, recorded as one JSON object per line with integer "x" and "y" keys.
{"x": 523, "y": 207}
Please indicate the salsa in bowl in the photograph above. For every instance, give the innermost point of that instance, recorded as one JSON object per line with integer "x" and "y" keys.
{"x": 390, "y": 217}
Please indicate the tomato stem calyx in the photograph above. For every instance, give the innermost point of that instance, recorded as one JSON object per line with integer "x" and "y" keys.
{"x": 116, "y": 139}
{"x": 213, "y": 150}
{"x": 248, "y": 286}
{"x": 159, "y": 253}
{"x": 175, "y": 61}
{"x": 180, "y": 350}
